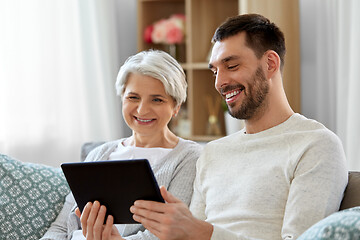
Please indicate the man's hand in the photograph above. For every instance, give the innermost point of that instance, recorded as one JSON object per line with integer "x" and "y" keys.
{"x": 172, "y": 220}
{"x": 92, "y": 223}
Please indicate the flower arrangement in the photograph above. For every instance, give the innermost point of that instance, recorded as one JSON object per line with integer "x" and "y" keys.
{"x": 167, "y": 31}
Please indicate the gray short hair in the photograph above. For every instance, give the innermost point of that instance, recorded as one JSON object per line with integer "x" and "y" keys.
{"x": 159, "y": 65}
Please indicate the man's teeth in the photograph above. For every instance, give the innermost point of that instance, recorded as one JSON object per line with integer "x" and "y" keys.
{"x": 229, "y": 95}
{"x": 143, "y": 120}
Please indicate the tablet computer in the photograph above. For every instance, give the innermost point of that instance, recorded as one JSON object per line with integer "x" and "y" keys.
{"x": 117, "y": 184}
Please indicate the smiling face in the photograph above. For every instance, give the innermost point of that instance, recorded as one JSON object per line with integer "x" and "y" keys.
{"x": 146, "y": 107}
{"x": 239, "y": 77}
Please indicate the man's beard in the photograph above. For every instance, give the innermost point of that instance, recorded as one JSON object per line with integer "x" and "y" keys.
{"x": 254, "y": 99}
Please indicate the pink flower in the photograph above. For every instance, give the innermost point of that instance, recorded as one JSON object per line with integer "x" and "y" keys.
{"x": 174, "y": 35}
{"x": 147, "y": 33}
{"x": 158, "y": 35}
{"x": 168, "y": 31}
{"x": 175, "y": 29}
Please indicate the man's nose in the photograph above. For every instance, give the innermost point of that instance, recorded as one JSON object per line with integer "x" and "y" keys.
{"x": 220, "y": 80}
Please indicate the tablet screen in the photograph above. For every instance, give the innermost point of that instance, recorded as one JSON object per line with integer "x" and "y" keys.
{"x": 117, "y": 184}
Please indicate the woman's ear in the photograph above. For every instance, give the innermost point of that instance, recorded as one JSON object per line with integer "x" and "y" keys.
{"x": 176, "y": 110}
{"x": 272, "y": 63}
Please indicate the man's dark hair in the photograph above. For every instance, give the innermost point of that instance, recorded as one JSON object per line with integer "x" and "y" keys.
{"x": 261, "y": 34}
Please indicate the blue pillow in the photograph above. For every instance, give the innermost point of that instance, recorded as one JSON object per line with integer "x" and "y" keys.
{"x": 340, "y": 225}
{"x": 31, "y": 197}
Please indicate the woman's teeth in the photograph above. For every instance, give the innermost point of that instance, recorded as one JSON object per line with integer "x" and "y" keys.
{"x": 143, "y": 120}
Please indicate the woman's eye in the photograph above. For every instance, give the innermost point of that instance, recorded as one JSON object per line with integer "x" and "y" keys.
{"x": 132, "y": 98}
{"x": 158, "y": 100}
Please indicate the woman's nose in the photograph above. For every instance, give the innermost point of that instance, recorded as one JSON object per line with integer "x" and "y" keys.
{"x": 142, "y": 108}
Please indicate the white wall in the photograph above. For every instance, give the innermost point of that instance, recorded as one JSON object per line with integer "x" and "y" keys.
{"x": 127, "y": 21}
{"x": 318, "y": 100}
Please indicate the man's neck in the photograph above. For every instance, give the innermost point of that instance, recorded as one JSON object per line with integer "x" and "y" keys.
{"x": 268, "y": 119}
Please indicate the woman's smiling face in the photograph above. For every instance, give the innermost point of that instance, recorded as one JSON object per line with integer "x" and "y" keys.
{"x": 146, "y": 107}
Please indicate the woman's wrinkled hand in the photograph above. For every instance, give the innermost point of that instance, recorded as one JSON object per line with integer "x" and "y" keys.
{"x": 92, "y": 223}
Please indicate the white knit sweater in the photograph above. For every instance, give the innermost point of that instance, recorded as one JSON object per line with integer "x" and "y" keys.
{"x": 270, "y": 185}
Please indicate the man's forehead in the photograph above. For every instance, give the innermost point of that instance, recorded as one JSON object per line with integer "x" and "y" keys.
{"x": 223, "y": 60}
{"x": 223, "y": 53}
{"x": 231, "y": 48}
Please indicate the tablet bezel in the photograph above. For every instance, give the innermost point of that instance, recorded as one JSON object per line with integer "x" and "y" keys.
{"x": 117, "y": 184}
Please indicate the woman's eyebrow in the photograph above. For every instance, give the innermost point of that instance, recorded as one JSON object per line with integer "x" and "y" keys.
{"x": 157, "y": 95}
{"x": 128, "y": 93}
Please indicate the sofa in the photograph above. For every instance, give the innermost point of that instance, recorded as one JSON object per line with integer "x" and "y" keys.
{"x": 32, "y": 195}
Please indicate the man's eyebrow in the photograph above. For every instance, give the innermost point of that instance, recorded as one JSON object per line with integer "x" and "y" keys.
{"x": 229, "y": 58}
{"x": 225, "y": 60}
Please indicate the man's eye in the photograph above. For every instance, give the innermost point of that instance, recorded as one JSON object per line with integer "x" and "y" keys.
{"x": 214, "y": 73}
{"x": 233, "y": 66}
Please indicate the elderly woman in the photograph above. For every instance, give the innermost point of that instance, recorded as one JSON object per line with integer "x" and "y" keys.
{"x": 152, "y": 87}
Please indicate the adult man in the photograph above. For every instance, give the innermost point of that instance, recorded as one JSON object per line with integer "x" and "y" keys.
{"x": 274, "y": 179}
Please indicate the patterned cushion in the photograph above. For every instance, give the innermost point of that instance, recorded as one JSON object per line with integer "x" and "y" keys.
{"x": 31, "y": 197}
{"x": 344, "y": 225}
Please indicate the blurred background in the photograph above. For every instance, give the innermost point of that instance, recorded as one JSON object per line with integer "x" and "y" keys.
{"x": 59, "y": 60}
